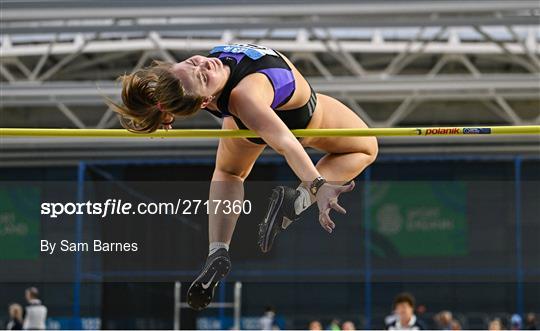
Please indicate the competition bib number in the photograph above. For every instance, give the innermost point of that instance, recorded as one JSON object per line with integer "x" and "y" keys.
{"x": 254, "y": 52}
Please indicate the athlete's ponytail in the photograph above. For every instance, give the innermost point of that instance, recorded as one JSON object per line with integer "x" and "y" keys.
{"x": 150, "y": 95}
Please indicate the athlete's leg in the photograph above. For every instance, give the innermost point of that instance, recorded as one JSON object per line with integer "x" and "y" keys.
{"x": 347, "y": 156}
{"x": 234, "y": 161}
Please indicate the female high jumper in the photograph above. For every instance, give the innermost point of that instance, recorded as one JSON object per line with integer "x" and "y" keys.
{"x": 258, "y": 88}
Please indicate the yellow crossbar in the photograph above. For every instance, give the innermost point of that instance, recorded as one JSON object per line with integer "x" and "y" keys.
{"x": 218, "y": 133}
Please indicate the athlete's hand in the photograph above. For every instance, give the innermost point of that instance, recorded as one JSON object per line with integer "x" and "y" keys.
{"x": 327, "y": 199}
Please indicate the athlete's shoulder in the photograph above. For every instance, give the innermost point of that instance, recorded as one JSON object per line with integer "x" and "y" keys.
{"x": 253, "y": 87}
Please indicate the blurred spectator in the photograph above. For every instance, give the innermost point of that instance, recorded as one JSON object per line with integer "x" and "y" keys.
{"x": 15, "y": 317}
{"x": 36, "y": 312}
{"x": 530, "y": 322}
{"x": 515, "y": 322}
{"x": 315, "y": 326}
{"x": 420, "y": 313}
{"x": 443, "y": 320}
{"x": 455, "y": 325}
{"x": 390, "y": 318}
{"x": 348, "y": 326}
{"x": 495, "y": 325}
{"x": 334, "y": 325}
{"x": 267, "y": 320}
{"x": 404, "y": 305}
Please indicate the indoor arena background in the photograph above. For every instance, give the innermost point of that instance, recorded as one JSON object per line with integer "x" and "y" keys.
{"x": 455, "y": 221}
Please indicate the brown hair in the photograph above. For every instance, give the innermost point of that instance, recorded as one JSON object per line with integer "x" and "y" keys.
{"x": 16, "y": 311}
{"x": 33, "y": 292}
{"x": 404, "y": 298}
{"x": 149, "y": 95}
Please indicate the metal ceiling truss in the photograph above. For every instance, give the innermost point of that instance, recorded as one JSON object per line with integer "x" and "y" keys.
{"x": 352, "y": 70}
{"x": 110, "y": 16}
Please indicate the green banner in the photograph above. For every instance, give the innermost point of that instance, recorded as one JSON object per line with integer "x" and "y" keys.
{"x": 420, "y": 218}
{"x": 19, "y": 223}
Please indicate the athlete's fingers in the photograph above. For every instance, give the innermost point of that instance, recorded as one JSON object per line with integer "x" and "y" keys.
{"x": 335, "y": 205}
{"x": 323, "y": 224}
{"x": 326, "y": 222}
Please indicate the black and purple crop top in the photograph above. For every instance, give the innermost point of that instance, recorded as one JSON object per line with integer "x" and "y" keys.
{"x": 246, "y": 59}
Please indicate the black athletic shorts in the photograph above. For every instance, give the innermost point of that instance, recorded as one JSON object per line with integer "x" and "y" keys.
{"x": 294, "y": 118}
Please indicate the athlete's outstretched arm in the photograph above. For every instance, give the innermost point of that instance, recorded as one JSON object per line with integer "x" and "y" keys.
{"x": 253, "y": 109}
{"x": 252, "y": 106}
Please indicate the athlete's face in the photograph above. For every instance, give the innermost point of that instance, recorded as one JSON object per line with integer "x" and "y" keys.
{"x": 201, "y": 75}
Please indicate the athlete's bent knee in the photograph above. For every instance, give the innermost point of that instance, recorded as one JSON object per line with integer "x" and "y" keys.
{"x": 369, "y": 149}
{"x": 229, "y": 175}
{"x": 372, "y": 150}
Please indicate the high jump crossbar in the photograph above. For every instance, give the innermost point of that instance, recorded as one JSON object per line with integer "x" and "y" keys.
{"x": 223, "y": 133}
